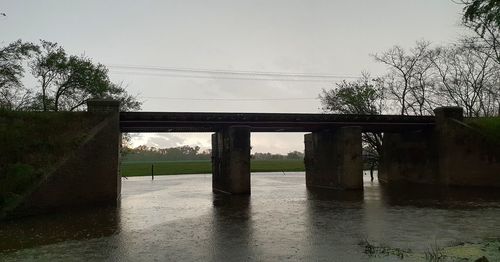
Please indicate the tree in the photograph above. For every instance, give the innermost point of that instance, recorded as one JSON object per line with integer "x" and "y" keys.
{"x": 358, "y": 97}
{"x": 408, "y": 81}
{"x": 362, "y": 96}
{"x": 483, "y": 17}
{"x": 484, "y": 13}
{"x": 67, "y": 81}
{"x": 13, "y": 95}
{"x": 468, "y": 77}
{"x": 295, "y": 155}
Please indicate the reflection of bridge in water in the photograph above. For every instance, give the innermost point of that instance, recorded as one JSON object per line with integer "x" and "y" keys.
{"x": 333, "y": 151}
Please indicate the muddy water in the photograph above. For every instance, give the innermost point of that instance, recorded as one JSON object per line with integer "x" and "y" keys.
{"x": 177, "y": 218}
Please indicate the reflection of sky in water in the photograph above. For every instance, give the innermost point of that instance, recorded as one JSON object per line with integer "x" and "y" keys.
{"x": 178, "y": 218}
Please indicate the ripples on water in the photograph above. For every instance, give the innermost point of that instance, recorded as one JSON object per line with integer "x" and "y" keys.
{"x": 178, "y": 218}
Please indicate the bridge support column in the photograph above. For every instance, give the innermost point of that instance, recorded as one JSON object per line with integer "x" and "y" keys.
{"x": 333, "y": 159}
{"x": 231, "y": 160}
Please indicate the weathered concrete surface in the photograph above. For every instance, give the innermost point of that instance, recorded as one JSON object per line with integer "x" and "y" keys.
{"x": 231, "y": 160}
{"x": 87, "y": 177}
{"x": 450, "y": 154}
{"x": 409, "y": 157}
{"x": 333, "y": 159}
{"x": 466, "y": 157}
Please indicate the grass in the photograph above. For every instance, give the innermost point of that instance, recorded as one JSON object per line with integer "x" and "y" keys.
{"x": 490, "y": 126}
{"x": 204, "y": 167}
{"x": 484, "y": 250}
{"x": 374, "y": 250}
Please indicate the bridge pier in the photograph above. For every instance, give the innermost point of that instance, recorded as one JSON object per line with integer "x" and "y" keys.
{"x": 333, "y": 159}
{"x": 231, "y": 160}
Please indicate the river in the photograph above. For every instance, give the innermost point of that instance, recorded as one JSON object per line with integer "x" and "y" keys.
{"x": 177, "y": 218}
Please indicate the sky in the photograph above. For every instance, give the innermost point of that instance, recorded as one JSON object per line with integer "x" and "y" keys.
{"x": 329, "y": 38}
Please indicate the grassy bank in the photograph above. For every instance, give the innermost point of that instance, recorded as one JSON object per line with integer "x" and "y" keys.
{"x": 490, "y": 126}
{"x": 204, "y": 167}
{"x": 484, "y": 250}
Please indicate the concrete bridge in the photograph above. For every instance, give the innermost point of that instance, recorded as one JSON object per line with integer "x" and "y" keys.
{"x": 440, "y": 150}
{"x": 332, "y": 149}
{"x": 418, "y": 149}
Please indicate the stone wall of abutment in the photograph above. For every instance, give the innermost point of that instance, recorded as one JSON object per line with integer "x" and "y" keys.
{"x": 451, "y": 154}
{"x": 87, "y": 176}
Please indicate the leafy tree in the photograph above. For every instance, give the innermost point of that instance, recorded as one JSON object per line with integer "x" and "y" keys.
{"x": 67, "y": 81}
{"x": 363, "y": 96}
{"x": 357, "y": 97}
{"x": 484, "y": 13}
{"x": 483, "y": 17}
{"x": 295, "y": 155}
{"x": 13, "y": 95}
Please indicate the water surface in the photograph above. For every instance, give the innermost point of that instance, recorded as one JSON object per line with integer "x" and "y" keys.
{"x": 177, "y": 218}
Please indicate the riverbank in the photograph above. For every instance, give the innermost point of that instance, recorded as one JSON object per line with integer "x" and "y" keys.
{"x": 203, "y": 167}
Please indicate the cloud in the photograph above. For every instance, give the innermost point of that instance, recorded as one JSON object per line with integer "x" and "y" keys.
{"x": 165, "y": 140}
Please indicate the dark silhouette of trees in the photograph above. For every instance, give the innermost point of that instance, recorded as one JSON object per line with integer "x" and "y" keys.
{"x": 146, "y": 153}
{"x": 362, "y": 96}
{"x": 483, "y": 17}
{"x": 13, "y": 95}
{"x": 65, "y": 82}
{"x": 408, "y": 78}
{"x": 483, "y": 13}
{"x": 466, "y": 77}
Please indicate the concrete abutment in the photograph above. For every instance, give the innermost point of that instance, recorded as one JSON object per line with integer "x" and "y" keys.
{"x": 86, "y": 177}
{"x": 451, "y": 153}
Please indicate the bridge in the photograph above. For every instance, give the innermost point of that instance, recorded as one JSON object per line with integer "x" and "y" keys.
{"x": 267, "y": 122}
{"x": 417, "y": 149}
{"x": 439, "y": 150}
{"x": 333, "y": 148}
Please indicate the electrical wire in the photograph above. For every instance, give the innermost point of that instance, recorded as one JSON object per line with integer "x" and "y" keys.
{"x": 224, "y": 74}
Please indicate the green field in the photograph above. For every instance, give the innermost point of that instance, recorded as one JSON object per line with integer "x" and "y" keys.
{"x": 203, "y": 167}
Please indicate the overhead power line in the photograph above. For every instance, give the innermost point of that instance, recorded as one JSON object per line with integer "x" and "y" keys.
{"x": 225, "y": 74}
{"x": 232, "y": 99}
{"x": 222, "y": 77}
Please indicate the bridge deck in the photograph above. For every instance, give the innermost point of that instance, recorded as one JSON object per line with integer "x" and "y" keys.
{"x": 265, "y": 122}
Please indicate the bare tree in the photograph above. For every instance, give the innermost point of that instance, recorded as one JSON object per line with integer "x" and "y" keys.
{"x": 408, "y": 81}
{"x": 467, "y": 77}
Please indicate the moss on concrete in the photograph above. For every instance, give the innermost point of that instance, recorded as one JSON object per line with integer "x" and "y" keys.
{"x": 31, "y": 146}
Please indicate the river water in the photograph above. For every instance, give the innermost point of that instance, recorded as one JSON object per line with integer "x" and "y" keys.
{"x": 177, "y": 218}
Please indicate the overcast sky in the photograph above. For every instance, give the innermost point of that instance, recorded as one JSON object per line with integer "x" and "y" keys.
{"x": 310, "y": 37}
